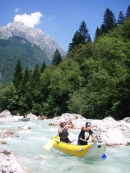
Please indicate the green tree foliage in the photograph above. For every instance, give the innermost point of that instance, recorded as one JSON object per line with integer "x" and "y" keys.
{"x": 111, "y": 71}
{"x": 34, "y": 95}
{"x": 10, "y": 99}
{"x": 121, "y": 18}
{"x": 24, "y": 89}
{"x": 2, "y": 87}
{"x": 106, "y": 72}
{"x": 56, "y": 60}
{"x": 64, "y": 80}
{"x": 80, "y": 37}
{"x": 77, "y": 102}
{"x": 45, "y": 90}
{"x": 43, "y": 67}
{"x": 97, "y": 33}
{"x": 124, "y": 30}
{"x": 17, "y": 75}
{"x": 76, "y": 40}
{"x": 25, "y": 81}
{"x": 109, "y": 21}
{"x": 83, "y": 30}
{"x": 35, "y": 77}
{"x": 127, "y": 13}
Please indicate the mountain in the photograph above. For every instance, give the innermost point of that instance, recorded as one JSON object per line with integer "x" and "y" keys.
{"x": 16, "y": 48}
{"x": 30, "y": 45}
{"x": 35, "y": 36}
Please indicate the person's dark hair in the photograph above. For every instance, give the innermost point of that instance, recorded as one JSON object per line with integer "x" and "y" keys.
{"x": 88, "y": 124}
{"x": 61, "y": 124}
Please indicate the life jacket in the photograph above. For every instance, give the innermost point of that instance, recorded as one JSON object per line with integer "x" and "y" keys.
{"x": 64, "y": 133}
{"x": 82, "y": 134}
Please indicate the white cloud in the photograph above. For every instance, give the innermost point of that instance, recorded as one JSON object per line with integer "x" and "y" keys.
{"x": 29, "y": 20}
{"x": 17, "y": 9}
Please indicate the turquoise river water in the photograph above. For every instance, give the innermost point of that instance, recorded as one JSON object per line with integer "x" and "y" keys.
{"x": 31, "y": 153}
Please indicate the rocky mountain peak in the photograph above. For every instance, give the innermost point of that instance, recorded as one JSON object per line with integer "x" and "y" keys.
{"x": 35, "y": 36}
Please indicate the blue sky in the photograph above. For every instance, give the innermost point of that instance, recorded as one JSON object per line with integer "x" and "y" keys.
{"x": 60, "y": 19}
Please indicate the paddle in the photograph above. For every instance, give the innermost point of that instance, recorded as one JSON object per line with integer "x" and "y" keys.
{"x": 50, "y": 143}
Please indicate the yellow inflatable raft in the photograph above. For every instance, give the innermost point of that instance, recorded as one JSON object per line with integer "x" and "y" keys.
{"x": 90, "y": 151}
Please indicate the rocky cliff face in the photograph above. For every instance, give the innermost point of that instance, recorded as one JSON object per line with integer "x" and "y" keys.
{"x": 35, "y": 36}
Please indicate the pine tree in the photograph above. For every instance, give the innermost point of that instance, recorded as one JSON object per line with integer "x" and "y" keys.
{"x": 17, "y": 78}
{"x": 25, "y": 92}
{"x": 77, "y": 39}
{"x": 35, "y": 76}
{"x": 56, "y": 60}
{"x": 33, "y": 93}
{"x": 80, "y": 37}
{"x": 43, "y": 67}
{"x": 89, "y": 38}
{"x": 127, "y": 12}
{"x": 121, "y": 18}
{"x": 84, "y": 32}
{"x": 25, "y": 81}
{"x": 109, "y": 21}
{"x": 97, "y": 33}
{"x": 103, "y": 29}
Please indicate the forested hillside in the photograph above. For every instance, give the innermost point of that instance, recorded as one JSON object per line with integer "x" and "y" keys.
{"x": 93, "y": 80}
{"x": 16, "y": 48}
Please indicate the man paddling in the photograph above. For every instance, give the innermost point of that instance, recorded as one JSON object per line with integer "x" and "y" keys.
{"x": 87, "y": 129}
{"x": 63, "y": 131}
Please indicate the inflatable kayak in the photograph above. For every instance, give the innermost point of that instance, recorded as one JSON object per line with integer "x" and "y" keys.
{"x": 90, "y": 151}
{"x": 25, "y": 119}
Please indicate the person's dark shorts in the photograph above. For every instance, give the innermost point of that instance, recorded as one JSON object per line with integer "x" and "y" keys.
{"x": 66, "y": 140}
{"x": 80, "y": 142}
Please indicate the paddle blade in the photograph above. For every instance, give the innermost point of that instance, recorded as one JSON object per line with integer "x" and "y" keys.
{"x": 49, "y": 144}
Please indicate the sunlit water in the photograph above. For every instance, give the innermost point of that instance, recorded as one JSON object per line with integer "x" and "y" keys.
{"x": 29, "y": 149}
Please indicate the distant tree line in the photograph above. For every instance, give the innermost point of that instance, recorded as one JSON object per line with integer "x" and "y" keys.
{"x": 92, "y": 80}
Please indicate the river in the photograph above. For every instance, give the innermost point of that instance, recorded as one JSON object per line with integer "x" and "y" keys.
{"x": 31, "y": 153}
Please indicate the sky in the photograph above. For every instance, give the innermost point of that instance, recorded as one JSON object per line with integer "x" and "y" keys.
{"x": 60, "y": 19}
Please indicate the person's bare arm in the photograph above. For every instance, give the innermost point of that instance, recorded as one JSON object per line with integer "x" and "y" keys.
{"x": 70, "y": 125}
{"x": 59, "y": 130}
{"x": 92, "y": 135}
{"x": 93, "y": 138}
{"x": 89, "y": 127}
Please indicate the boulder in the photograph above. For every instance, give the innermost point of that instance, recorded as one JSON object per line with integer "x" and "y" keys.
{"x": 5, "y": 114}
{"x": 127, "y": 119}
{"x": 32, "y": 116}
{"x": 2, "y": 142}
{"x": 9, "y": 134}
{"x": 23, "y": 128}
{"x": 77, "y": 120}
{"x": 114, "y": 137}
{"x": 9, "y": 163}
